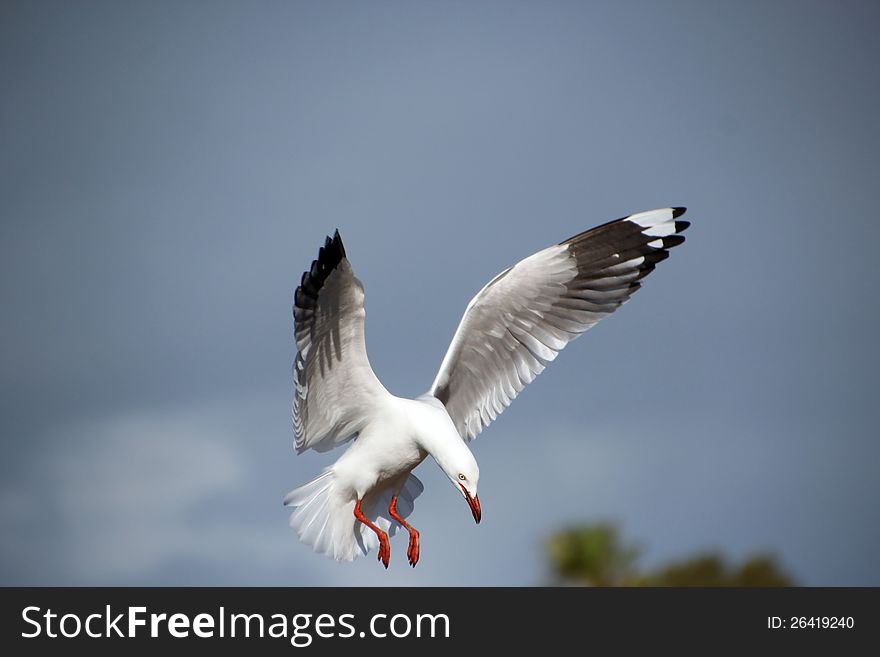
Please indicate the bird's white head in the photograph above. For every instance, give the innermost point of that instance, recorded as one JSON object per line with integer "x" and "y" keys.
{"x": 438, "y": 436}
{"x": 459, "y": 464}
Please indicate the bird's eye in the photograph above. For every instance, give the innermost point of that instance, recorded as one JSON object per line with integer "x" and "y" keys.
{"x": 462, "y": 477}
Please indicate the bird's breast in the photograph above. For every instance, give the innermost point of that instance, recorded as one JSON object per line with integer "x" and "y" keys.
{"x": 394, "y": 456}
{"x": 376, "y": 458}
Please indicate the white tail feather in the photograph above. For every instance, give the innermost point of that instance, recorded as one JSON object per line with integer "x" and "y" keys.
{"x": 323, "y": 515}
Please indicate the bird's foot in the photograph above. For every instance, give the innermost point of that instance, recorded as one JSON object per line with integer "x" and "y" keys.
{"x": 384, "y": 550}
{"x": 412, "y": 552}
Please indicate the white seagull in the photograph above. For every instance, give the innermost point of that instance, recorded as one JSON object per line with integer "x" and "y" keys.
{"x": 510, "y": 330}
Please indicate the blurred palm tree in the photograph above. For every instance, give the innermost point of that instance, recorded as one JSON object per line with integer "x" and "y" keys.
{"x": 595, "y": 555}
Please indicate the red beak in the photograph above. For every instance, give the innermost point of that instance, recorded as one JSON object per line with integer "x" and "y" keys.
{"x": 474, "y": 503}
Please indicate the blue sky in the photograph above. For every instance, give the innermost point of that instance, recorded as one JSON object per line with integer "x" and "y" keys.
{"x": 169, "y": 170}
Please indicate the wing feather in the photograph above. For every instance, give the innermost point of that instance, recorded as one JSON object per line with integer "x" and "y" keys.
{"x": 335, "y": 385}
{"x": 526, "y": 315}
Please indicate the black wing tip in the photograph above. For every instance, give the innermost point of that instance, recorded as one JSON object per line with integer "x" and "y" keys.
{"x": 672, "y": 240}
{"x": 335, "y": 244}
{"x": 676, "y": 212}
{"x": 329, "y": 257}
{"x": 655, "y": 256}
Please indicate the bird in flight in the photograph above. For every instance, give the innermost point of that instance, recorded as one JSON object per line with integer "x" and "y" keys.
{"x": 510, "y": 330}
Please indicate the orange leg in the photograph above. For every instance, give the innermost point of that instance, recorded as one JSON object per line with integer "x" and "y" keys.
{"x": 412, "y": 551}
{"x": 384, "y": 546}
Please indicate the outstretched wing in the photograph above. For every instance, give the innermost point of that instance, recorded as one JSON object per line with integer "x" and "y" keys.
{"x": 524, "y": 317}
{"x": 335, "y": 385}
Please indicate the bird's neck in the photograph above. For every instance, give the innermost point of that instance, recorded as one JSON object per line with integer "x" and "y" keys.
{"x": 432, "y": 443}
{"x": 434, "y": 431}
{"x": 446, "y": 447}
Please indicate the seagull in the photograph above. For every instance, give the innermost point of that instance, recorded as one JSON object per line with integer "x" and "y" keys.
{"x": 510, "y": 330}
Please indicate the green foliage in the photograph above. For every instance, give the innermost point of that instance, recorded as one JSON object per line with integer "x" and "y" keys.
{"x": 592, "y": 555}
{"x": 595, "y": 555}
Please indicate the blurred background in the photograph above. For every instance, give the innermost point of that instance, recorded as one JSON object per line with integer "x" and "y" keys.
{"x": 169, "y": 170}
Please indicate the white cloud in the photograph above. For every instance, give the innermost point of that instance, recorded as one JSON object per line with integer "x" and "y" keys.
{"x": 119, "y": 498}
{"x": 126, "y": 488}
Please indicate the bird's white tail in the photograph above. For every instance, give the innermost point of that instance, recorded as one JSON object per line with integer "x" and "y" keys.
{"x": 323, "y": 515}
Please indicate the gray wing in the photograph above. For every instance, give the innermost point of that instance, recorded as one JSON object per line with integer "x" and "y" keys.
{"x": 524, "y": 317}
{"x": 335, "y": 386}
